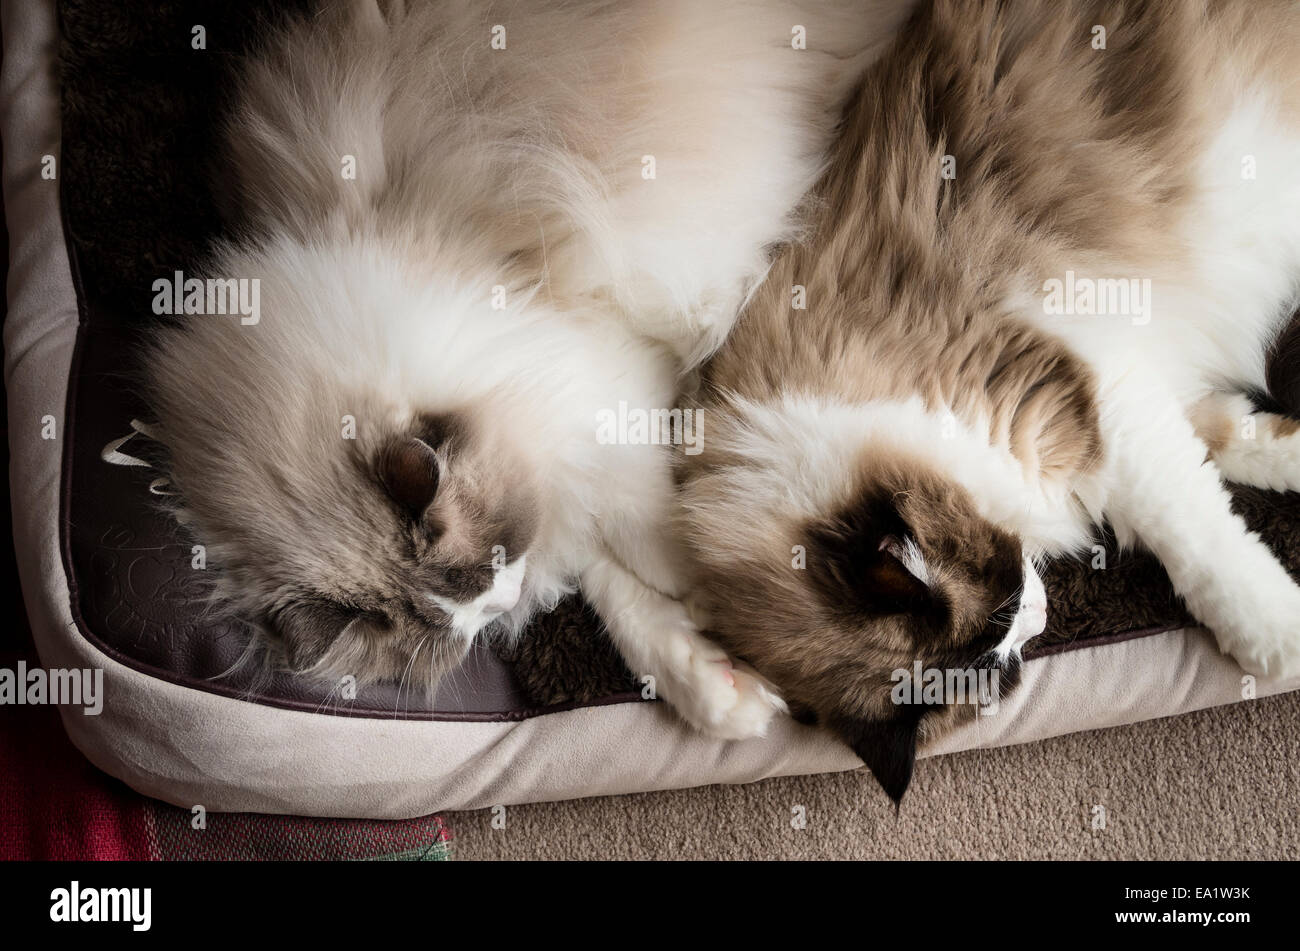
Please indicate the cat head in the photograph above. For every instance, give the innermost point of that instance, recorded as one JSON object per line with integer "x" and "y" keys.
{"x": 891, "y": 614}
{"x": 362, "y": 486}
{"x": 446, "y": 532}
{"x": 383, "y": 560}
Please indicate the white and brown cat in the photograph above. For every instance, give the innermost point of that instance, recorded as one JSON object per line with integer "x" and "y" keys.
{"x": 1055, "y": 245}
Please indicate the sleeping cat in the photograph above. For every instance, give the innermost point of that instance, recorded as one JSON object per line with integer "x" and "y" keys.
{"x": 477, "y": 227}
{"x": 1055, "y": 243}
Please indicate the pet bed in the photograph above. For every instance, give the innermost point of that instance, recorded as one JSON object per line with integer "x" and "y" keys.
{"x": 119, "y": 97}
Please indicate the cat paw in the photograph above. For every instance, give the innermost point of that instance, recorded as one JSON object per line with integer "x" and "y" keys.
{"x": 1271, "y": 646}
{"x": 718, "y": 697}
{"x": 1274, "y": 658}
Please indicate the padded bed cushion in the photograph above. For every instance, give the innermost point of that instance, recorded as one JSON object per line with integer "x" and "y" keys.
{"x": 108, "y": 581}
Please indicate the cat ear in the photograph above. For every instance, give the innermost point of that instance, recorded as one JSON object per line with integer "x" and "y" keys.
{"x": 409, "y": 470}
{"x": 887, "y": 747}
{"x": 308, "y": 628}
{"x": 896, "y": 577}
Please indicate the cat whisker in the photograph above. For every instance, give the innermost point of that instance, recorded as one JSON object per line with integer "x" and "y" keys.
{"x": 407, "y": 672}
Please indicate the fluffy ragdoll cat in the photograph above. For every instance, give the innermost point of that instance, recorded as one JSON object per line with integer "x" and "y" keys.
{"x": 885, "y": 464}
{"x": 477, "y": 227}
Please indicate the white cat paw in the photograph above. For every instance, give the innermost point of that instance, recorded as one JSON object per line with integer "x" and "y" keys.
{"x": 1274, "y": 658}
{"x": 722, "y": 699}
{"x": 1270, "y": 647}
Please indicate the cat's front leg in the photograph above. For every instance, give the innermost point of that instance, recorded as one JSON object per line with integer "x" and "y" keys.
{"x": 1249, "y": 447}
{"x": 658, "y": 639}
{"x": 1164, "y": 490}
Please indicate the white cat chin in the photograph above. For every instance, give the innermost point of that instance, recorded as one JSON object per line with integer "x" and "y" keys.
{"x": 469, "y": 618}
{"x": 1030, "y": 619}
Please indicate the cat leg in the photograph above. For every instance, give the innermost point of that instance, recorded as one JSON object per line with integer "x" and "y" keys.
{"x": 657, "y": 638}
{"x": 1249, "y": 447}
{"x": 1166, "y": 493}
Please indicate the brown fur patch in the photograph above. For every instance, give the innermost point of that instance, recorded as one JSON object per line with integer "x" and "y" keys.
{"x": 1213, "y": 426}
{"x": 1282, "y": 426}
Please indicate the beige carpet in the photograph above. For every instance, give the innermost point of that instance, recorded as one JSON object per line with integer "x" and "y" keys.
{"x": 1221, "y": 783}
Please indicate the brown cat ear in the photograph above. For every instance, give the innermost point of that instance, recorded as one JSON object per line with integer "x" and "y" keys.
{"x": 888, "y": 581}
{"x": 864, "y": 561}
{"x": 887, "y": 747}
{"x": 308, "y": 628}
{"x": 408, "y": 469}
